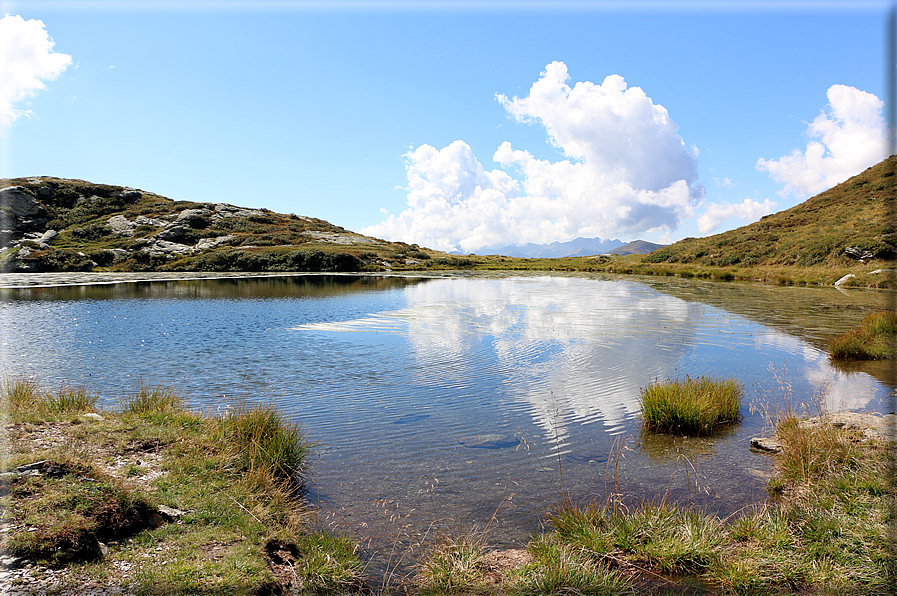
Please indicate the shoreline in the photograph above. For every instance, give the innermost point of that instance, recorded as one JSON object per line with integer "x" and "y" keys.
{"x": 165, "y": 435}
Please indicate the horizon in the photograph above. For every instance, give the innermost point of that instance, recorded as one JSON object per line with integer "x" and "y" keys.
{"x": 450, "y": 126}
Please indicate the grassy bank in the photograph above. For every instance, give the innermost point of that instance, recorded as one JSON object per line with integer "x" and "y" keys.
{"x": 874, "y": 339}
{"x": 780, "y": 274}
{"x": 158, "y": 499}
{"x": 828, "y": 528}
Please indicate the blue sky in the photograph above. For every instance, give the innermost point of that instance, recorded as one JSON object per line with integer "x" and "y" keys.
{"x": 421, "y": 122}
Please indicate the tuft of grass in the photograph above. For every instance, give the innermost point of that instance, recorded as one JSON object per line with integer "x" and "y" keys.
{"x": 874, "y": 339}
{"x": 25, "y": 398}
{"x": 560, "y": 568}
{"x": 810, "y": 452}
{"x": 146, "y": 400}
{"x": 265, "y": 443}
{"x": 693, "y": 406}
{"x": 453, "y": 565}
{"x": 67, "y": 400}
{"x": 661, "y": 536}
{"x": 21, "y": 395}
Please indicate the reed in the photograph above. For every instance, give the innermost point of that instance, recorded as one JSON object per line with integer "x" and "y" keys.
{"x": 693, "y": 406}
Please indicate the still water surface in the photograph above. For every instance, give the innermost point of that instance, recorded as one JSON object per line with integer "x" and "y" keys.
{"x": 436, "y": 402}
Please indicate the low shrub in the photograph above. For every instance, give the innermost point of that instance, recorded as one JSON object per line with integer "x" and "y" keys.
{"x": 693, "y": 406}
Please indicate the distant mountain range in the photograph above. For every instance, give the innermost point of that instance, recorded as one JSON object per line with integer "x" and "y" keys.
{"x": 636, "y": 247}
{"x": 579, "y": 247}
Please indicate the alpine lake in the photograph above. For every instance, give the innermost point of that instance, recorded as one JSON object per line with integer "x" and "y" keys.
{"x": 465, "y": 401}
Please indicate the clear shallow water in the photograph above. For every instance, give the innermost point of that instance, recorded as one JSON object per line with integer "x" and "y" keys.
{"x": 437, "y": 402}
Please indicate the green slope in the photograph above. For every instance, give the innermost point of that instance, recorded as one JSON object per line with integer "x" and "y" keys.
{"x": 856, "y": 216}
{"x": 99, "y": 226}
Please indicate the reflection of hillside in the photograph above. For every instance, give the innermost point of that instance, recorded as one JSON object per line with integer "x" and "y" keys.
{"x": 812, "y": 315}
{"x": 311, "y": 286}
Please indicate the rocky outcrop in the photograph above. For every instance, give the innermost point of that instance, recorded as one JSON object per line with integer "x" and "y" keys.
{"x": 205, "y": 243}
{"x": 337, "y": 238}
{"x": 20, "y": 212}
{"x": 225, "y": 210}
{"x": 164, "y": 247}
{"x": 873, "y": 427}
{"x": 121, "y": 226}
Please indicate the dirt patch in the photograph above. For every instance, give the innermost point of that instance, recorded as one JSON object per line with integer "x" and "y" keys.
{"x": 282, "y": 558}
{"x": 145, "y": 446}
{"x": 498, "y": 563}
{"x": 215, "y": 551}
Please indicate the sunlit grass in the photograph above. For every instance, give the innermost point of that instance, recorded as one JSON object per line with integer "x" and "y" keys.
{"x": 151, "y": 399}
{"x": 263, "y": 442}
{"x": 874, "y": 339}
{"x": 453, "y": 565}
{"x": 692, "y": 406}
{"x": 231, "y": 477}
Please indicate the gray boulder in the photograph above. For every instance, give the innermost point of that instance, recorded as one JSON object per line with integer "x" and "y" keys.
{"x": 164, "y": 247}
{"x": 121, "y": 226}
{"x": 47, "y": 238}
{"x": 173, "y": 234}
{"x": 20, "y": 212}
{"x": 205, "y": 243}
{"x": 149, "y": 221}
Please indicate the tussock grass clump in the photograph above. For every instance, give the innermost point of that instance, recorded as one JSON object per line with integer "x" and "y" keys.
{"x": 68, "y": 400}
{"x": 146, "y": 400}
{"x": 265, "y": 443}
{"x": 693, "y": 406}
{"x": 453, "y": 565}
{"x": 661, "y": 536}
{"x": 25, "y": 397}
{"x": 814, "y": 451}
{"x": 874, "y": 339}
{"x": 561, "y": 568}
{"x": 20, "y": 395}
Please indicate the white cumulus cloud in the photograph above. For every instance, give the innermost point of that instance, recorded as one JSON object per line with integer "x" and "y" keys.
{"x": 750, "y": 211}
{"x": 27, "y": 60}
{"x": 851, "y": 135}
{"x": 627, "y": 171}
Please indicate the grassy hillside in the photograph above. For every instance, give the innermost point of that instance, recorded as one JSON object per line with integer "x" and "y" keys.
{"x": 55, "y": 224}
{"x": 851, "y": 222}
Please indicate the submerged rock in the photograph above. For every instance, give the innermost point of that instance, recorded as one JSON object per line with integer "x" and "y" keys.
{"x": 490, "y": 441}
{"x": 766, "y": 444}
